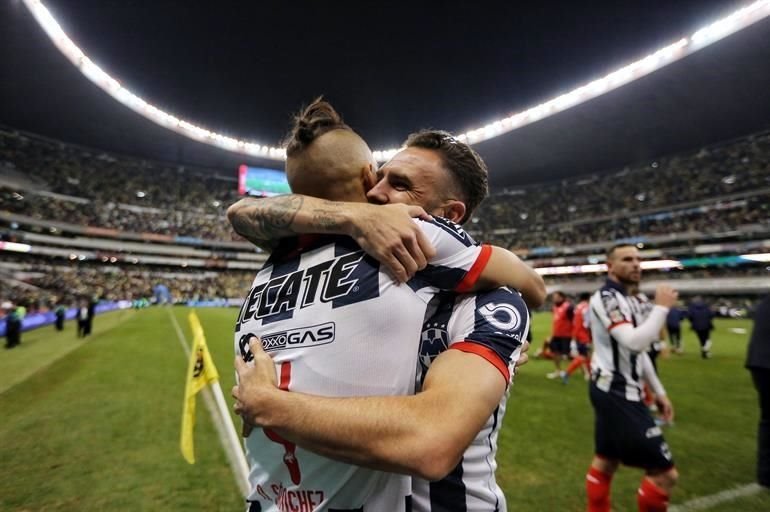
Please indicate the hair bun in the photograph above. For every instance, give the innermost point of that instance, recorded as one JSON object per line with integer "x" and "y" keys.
{"x": 313, "y": 121}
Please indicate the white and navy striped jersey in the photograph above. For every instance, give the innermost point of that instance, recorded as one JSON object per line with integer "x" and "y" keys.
{"x": 493, "y": 325}
{"x": 336, "y": 325}
{"x": 615, "y": 368}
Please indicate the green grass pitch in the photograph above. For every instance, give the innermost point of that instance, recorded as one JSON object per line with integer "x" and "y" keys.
{"x": 94, "y": 424}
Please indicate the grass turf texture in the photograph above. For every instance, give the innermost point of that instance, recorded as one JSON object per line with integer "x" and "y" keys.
{"x": 94, "y": 424}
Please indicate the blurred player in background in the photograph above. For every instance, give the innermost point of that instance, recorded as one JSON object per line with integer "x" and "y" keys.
{"x": 674, "y": 328}
{"x": 13, "y": 318}
{"x": 60, "y": 313}
{"x": 561, "y": 331}
{"x": 83, "y": 318}
{"x": 700, "y": 316}
{"x": 162, "y": 295}
{"x": 580, "y": 345}
{"x": 758, "y": 363}
{"x": 623, "y": 328}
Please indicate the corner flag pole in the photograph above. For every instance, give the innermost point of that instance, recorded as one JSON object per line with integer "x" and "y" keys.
{"x": 202, "y": 372}
{"x": 232, "y": 436}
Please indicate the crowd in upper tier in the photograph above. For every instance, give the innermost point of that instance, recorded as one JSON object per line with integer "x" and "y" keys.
{"x": 711, "y": 190}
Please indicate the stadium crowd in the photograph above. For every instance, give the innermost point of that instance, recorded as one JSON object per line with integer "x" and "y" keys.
{"x": 139, "y": 196}
{"x": 115, "y": 192}
{"x": 41, "y": 285}
{"x": 731, "y": 168}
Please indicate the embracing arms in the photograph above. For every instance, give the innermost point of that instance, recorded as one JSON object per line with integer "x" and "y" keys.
{"x": 387, "y": 233}
{"x": 424, "y": 435}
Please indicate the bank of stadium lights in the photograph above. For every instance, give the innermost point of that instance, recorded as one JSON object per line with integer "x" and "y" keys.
{"x": 703, "y": 37}
{"x": 595, "y": 268}
{"x": 761, "y": 258}
{"x": 15, "y": 247}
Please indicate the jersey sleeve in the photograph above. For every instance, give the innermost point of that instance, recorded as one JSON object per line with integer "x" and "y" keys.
{"x": 607, "y": 307}
{"x": 492, "y": 325}
{"x": 459, "y": 260}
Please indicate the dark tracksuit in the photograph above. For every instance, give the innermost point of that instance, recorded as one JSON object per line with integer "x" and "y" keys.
{"x": 700, "y": 318}
{"x": 758, "y": 363}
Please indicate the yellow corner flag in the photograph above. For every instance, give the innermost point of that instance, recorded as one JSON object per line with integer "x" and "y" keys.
{"x": 200, "y": 372}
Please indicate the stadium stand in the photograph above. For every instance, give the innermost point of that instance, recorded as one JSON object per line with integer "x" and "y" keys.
{"x": 95, "y": 222}
{"x": 714, "y": 189}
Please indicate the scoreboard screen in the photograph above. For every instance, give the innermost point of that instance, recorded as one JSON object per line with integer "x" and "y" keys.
{"x": 262, "y": 182}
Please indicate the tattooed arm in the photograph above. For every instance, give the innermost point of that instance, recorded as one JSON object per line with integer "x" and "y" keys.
{"x": 387, "y": 232}
{"x": 263, "y": 221}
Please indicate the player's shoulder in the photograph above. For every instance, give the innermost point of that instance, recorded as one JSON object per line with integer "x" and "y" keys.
{"x": 609, "y": 289}
{"x": 502, "y": 308}
{"x": 439, "y": 226}
{"x": 501, "y": 294}
{"x": 608, "y": 296}
{"x": 642, "y": 297}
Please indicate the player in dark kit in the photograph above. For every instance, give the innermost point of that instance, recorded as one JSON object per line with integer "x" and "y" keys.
{"x": 624, "y": 326}
{"x": 700, "y": 316}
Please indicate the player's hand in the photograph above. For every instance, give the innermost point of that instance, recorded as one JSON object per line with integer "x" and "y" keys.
{"x": 523, "y": 358}
{"x": 573, "y": 349}
{"x": 666, "y": 408}
{"x": 389, "y": 235}
{"x": 256, "y": 383}
{"x": 666, "y": 296}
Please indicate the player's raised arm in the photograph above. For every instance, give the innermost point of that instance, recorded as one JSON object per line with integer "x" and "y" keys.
{"x": 637, "y": 338}
{"x": 493, "y": 266}
{"x": 387, "y": 233}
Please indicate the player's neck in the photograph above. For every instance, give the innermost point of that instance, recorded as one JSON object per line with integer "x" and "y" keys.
{"x": 628, "y": 288}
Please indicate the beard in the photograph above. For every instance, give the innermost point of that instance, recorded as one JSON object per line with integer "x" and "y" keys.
{"x": 629, "y": 280}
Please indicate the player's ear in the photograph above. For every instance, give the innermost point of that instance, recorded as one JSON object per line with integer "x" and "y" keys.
{"x": 454, "y": 210}
{"x": 368, "y": 177}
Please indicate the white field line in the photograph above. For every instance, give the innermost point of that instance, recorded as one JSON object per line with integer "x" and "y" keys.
{"x": 706, "y": 502}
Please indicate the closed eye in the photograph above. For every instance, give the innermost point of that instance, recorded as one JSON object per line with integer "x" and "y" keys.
{"x": 400, "y": 184}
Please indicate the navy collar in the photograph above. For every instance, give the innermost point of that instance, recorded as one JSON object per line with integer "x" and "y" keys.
{"x": 614, "y": 284}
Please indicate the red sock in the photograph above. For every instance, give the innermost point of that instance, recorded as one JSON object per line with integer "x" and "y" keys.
{"x": 651, "y": 498}
{"x": 575, "y": 364}
{"x": 598, "y": 490}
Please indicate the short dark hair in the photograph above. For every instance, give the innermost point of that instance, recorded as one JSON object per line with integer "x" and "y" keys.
{"x": 615, "y": 247}
{"x": 468, "y": 170}
{"x": 312, "y": 121}
{"x": 584, "y": 296}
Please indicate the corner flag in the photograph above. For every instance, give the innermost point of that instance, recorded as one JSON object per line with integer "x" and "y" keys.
{"x": 200, "y": 373}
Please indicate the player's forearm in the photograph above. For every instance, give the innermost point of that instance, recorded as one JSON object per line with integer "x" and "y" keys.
{"x": 640, "y": 338}
{"x": 423, "y": 435}
{"x": 651, "y": 377}
{"x": 506, "y": 269}
{"x": 271, "y": 218}
{"x": 386, "y": 433}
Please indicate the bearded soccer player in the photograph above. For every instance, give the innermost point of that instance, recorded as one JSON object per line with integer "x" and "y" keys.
{"x": 335, "y": 325}
{"x": 624, "y": 325}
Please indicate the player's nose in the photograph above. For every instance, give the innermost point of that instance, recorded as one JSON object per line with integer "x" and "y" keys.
{"x": 378, "y": 194}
